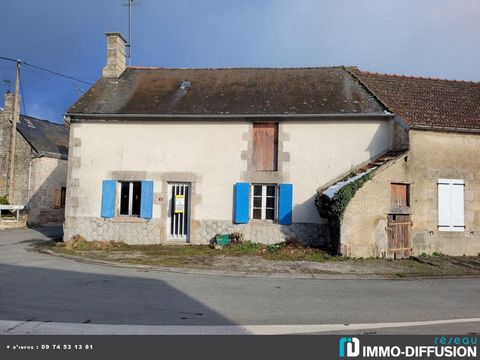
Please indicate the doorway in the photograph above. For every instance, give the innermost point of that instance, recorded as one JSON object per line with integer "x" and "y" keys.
{"x": 399, "y": 236}
{"x": 178, "y": 221}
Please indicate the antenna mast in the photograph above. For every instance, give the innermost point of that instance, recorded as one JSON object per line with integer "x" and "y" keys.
{"x": 129, "y": 45}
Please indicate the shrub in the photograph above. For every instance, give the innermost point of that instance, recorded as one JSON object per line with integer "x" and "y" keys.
{"x": 333, "y": 209}
{"x": 4, "y": 200}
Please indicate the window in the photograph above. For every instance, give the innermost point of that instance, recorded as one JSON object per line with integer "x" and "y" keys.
{"x": 60, "y": 195}
{"x": 130, "y": 197}
{"x": 265, "y": 146}
{"x": 451, "y": 205}
{"x": 400, "y": 195}
{"x": 264, "y": 202}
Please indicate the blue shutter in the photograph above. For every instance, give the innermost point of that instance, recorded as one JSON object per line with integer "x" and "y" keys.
{"x": 242, "y": 202}
{"x": 285, "y": 194}
{"x": 146, "y": 203}
{"x": 109, "y": 189}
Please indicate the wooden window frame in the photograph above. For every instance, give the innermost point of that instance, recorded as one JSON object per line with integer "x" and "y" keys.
{"x": 130, "y": 198}
{"x": 263, "y": 207}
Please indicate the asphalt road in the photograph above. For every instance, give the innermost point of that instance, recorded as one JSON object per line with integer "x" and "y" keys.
{"x": 41, "y": 293}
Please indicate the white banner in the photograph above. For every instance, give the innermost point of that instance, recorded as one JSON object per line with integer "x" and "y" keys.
{"x": 12, "y": 207}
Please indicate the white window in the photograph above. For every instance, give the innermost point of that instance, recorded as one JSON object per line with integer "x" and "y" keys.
{"x": 451, "y": 205}
{"x": 264, "y": 201}
{"x": 130, "y": 197}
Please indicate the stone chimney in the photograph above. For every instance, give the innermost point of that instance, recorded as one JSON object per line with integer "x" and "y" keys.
{"x": 116, "y": 55}
{"x": 8, "y": 105}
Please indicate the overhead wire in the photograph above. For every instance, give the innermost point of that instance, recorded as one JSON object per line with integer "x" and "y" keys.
{"x": 46, "y": 70}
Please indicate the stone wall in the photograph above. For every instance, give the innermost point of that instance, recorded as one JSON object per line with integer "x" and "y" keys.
{"x": 308, "y": 234}
{"x": 433, "y": 155}
{"x": 129, "y": 230}
{"x": 448, "y": 155}
{"x": 48, "y": 175}
{"x": 363, "y": 229}
{"x": 141, "y": 231}
{"x": 22, "y": 156}
{"x": 23, "y": 153}
{"x": 5, "y": 135}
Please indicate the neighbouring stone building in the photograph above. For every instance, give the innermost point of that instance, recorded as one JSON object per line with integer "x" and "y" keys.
{"x": 179, "y": 155}
{"x": 427, "y": 198}
{"x": 40, "y": 166}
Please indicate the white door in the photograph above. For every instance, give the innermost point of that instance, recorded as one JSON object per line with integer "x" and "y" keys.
{"x": 178, "y": 222}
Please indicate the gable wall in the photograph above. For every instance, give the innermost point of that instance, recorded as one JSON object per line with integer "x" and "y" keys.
{"x": 47, "y": 176}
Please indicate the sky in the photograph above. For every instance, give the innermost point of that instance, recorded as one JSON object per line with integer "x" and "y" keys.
{"x": 430, "y": 38}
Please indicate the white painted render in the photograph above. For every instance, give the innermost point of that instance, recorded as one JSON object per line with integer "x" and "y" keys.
{"x": 319, "y": 151}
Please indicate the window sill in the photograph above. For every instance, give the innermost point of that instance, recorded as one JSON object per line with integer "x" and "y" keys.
{"x": 451, "y": 229}
{"x": 400, "y": 211}
{"x": 128, "y": 219}
{"x": 263, "y": 222}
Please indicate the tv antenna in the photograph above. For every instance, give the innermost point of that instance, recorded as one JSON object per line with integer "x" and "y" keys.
{"x": 7, "y": 82}
{"x": 130, "y": 5}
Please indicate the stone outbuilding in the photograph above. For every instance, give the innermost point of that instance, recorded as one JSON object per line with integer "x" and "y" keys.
{"x": 426, "y": 199}
{"x": 40, "y": 166}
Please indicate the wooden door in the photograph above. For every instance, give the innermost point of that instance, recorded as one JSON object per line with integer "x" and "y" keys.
{"x": 399, "y": 236}
{"x": 265, "y": 146}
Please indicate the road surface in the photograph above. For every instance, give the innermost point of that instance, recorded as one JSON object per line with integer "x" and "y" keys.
{"x": 45, "y": 294}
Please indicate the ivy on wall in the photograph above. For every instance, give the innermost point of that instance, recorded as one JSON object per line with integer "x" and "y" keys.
{"x": 4, "y": 200}
{"x": 334, "y": 208}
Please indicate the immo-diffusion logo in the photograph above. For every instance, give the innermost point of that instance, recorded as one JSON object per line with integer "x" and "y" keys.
{"x": 448, "y": 347}
{"x": 349, "y": 347}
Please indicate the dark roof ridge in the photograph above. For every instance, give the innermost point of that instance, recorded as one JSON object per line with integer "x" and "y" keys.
{"x": 411, "y": 76}
{"x": 236, "y": 68}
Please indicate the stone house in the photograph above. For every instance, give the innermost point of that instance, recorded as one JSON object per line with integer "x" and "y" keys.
{"x": 40, "y": 166}
{"x": 425, "y": 199}
{"x": 163, "y": 155}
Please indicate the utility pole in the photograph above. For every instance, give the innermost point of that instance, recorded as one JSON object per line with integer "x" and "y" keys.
{"x": 15, "y": 118}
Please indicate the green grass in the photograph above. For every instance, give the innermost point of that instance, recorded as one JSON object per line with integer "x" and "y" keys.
{"x": 180, "y": 254}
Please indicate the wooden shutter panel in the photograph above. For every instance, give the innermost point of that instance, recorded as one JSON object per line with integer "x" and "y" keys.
{"x": 458, "y": 205}
{"x": 58, "y": 198}
{"x": 451, "y": 205}
{"x": 444, "y": 215}
{"x": 242, "y": 203}
{"x": 109, "y": 188}
{"x": 285, "y": 204}
{"x": 146, "y": 202}
{"x": 399, "y": 193}
{"x": 265, "y": 146}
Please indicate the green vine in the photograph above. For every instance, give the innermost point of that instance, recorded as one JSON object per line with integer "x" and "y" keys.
{"x": 4, "y": 200}
{"x": 333, "y": 209}
{"x": 342, "y": 198}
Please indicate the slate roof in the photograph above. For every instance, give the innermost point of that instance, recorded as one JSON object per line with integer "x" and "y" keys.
{"x": 426, "y": 102}
{"x": 47, "y": 138}
{"x": 235, "y": 91}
